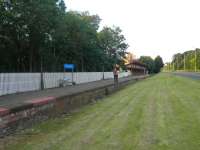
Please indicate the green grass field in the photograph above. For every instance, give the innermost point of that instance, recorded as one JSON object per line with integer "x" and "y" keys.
{"x": 161, "y": 112}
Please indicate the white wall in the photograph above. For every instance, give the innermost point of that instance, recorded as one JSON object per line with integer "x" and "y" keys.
{"x": 22, "y": 82}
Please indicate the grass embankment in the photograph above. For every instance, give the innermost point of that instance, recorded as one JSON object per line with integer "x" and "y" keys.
{"x": 162, "y": 112}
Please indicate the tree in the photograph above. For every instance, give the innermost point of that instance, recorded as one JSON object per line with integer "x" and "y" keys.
{"x": 158, "y": 64}
{"x": 113, "y": 42}
{"x": 28, "y": 26}
{"x": 62, "y": 5}
{"x": 187, "y": 60}
{"x": 82, "y": 41}
{"x": 41, "y": 35}
{"x": 149, "y": 62}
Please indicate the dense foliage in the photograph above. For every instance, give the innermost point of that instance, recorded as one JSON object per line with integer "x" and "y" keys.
{"x": 158, "y": 64}
{"x": 149, "y": 62}
{"x": 38, "y": 35}
{"x": 189, "y": 60}
{"x": 153, "y": 66}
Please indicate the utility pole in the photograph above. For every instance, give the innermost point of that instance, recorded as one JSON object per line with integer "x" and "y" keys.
{"x": 171, "y": 66}
{"x": 195, "y": 60}
{"x": 41, "y": 74}
{"x": 177, "y": 65}
{"x": 184, "y": 62}
{"x": 103, "y": 71}
{"x": 168, "y": 66}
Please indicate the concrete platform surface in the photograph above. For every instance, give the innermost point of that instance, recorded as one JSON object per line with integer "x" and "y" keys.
{"x": 37, "y": 97}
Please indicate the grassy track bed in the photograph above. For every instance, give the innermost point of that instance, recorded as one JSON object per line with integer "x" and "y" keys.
{"x": 158, "y": 113}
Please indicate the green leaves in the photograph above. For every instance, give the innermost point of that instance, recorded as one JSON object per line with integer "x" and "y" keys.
{"x": 113, "y": 42}
{"x": 149, "y": 62}
{"x": 189, "y": 61}
{"x": 158, "y": 64}
{"x": 153, "y": 66}
{"x": 41, "y": 32}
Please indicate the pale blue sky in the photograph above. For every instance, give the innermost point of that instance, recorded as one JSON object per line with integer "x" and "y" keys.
{"x": 151, "y": 27}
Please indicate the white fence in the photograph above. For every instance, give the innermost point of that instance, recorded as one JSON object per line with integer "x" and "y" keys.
{"x": 22, "y": 82}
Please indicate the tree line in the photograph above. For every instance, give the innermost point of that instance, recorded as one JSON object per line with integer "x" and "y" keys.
{"x": 189, "y": 60}
{"x": 41, "y": 35}
{"x": 152, "y": 65}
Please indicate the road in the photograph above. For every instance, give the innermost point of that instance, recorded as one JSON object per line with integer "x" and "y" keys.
{"x": 191, "y": 75}
{"x": 158, "y": 113}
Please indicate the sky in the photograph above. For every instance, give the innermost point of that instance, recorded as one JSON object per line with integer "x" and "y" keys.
{"x": 151, "y": 27}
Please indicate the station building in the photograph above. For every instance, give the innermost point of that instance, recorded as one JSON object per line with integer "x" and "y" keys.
{"x": 137, "y": 68}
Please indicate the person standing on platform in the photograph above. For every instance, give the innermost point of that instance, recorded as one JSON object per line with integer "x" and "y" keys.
{"x": 115, "y": 73}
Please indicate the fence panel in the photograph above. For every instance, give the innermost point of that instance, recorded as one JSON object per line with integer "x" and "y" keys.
{"x": 18, "y": 82}
{"x": 108, "y": 75}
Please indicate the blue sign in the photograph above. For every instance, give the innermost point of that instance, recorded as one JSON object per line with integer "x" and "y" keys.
{"x": 69, "y": 66}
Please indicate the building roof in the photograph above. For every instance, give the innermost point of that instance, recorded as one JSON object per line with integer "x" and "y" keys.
{"x": 137, "y": 62}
